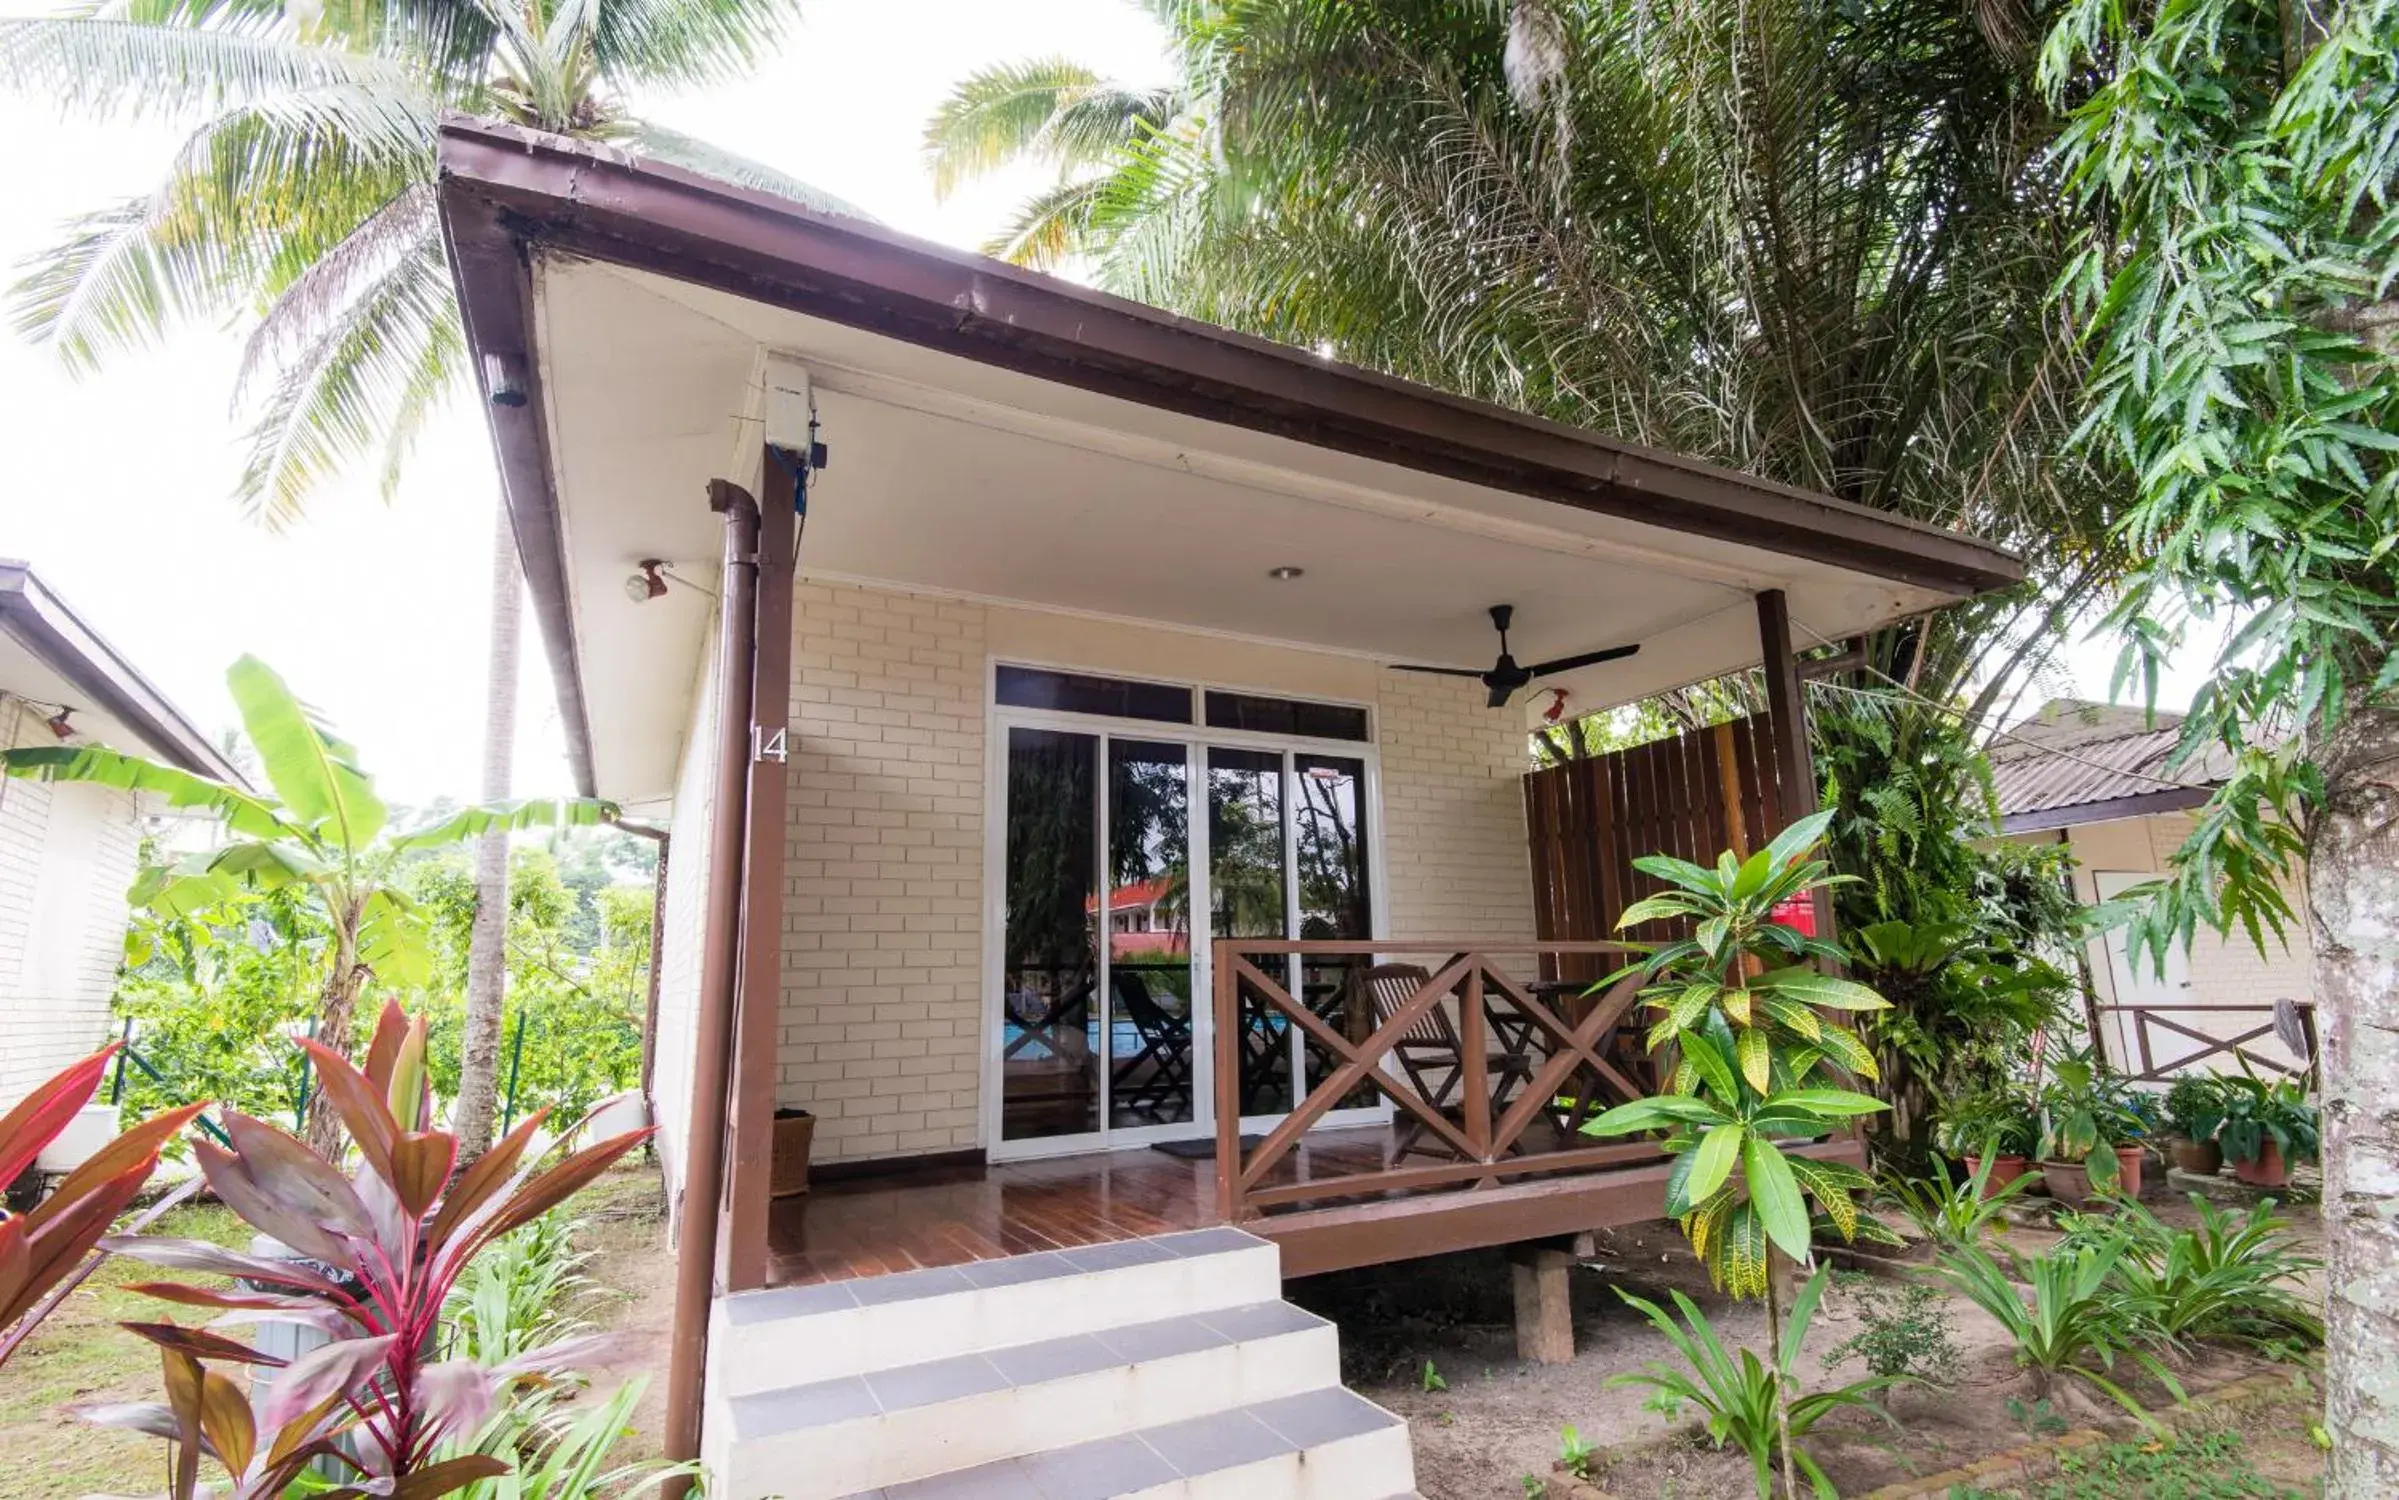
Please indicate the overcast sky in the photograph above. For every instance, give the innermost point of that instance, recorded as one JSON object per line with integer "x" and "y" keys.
{"x": 116, "y": 487}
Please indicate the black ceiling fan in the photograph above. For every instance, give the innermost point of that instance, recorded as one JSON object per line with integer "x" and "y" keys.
{"x": 1505, "y": 676}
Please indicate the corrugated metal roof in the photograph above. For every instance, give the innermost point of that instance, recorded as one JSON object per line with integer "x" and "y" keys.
{"x": 2074, "y": 754}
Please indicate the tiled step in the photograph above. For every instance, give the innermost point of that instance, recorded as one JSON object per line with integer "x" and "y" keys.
{"x": 1320, "y": 1445}
{"x": 827, "y": 1438}
{"x": 774, "y": 1339}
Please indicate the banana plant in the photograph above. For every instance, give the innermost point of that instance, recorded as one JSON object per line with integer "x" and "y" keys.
{"x": 385, "y": 1245}
{"x": 1759, "y": 1063}
{"x": 319, "y": 828}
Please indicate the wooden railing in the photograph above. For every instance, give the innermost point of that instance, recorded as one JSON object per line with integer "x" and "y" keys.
{"x": 1559, "y": 1066}
{"x": 2144, "y": 1017}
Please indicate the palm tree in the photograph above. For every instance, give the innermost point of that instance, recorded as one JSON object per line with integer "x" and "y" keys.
{"x": 302, "y": 204}
{"x": 1809, "y": 242}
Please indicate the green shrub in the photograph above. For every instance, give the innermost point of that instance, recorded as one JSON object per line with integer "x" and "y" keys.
{"x": 2233, "y": 1279}
{"x": 1905, "y": 1333}
{"x": 1737, "y": 1396}
{"x": 2078, "y": 1319}
{"x": 1950, "y": 1212}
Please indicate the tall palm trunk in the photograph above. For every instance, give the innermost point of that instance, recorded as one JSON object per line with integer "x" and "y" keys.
{"x": 2353, "y": 908}
{"x": 487, "y": 946}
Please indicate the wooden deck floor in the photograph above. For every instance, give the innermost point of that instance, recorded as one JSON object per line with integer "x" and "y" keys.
{"x": 875, "y": 1226}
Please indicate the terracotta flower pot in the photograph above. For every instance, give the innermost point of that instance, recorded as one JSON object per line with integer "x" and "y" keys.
{"x": 2070, "y": 1181}
{"x": 2004, "y": 1170}
{"x": 2268, "y": 1171}
{"x": 2201, "y": 1158}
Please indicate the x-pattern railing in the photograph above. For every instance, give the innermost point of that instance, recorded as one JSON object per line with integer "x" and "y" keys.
{"x": 1482, "y": 1128}
{"x": 2146, "y": 1016}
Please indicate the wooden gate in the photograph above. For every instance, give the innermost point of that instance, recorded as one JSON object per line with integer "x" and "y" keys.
{"x": 1693, "y": 796}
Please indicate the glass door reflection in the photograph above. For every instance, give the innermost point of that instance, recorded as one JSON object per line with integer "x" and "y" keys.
{"x": 1248, "y": 897}
{"x": 1050, "y": 1046}
{"x": 1150, "y": 1037}
{"x": 1329, "y": 862}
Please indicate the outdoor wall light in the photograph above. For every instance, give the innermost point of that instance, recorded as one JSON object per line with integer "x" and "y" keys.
{"x": 649, "y": 583}
{"x": 1286, "y": 573}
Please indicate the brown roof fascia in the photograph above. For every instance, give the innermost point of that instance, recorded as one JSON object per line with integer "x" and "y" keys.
{"x": 503, "y": 189}
{"x": 49, "y": 628}
{"x": 2108, "y": 810}
{"x": 766, "y": 248}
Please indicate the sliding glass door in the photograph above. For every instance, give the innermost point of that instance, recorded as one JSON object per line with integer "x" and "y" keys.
{"x": 1102, "y": 1024}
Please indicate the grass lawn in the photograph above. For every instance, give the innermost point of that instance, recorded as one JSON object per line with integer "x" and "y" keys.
{"x": 80, "y": 1357}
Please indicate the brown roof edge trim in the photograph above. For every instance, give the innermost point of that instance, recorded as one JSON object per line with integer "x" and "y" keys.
{"x": 495, "y": 296}
{"x": 753, "y": 245}
{"x": 52, "y": 630}
{"x": 2109, "y": 810}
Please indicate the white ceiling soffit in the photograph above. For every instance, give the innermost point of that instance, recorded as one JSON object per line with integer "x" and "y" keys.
{"x": 25, "y": 674}
{"x": 968, "y": 479}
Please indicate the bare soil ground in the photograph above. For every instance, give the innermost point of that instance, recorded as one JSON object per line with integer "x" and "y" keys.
{"x": 1497, "y": 1421}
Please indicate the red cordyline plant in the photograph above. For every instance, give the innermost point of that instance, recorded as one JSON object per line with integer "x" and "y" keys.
{"x": 383, "y": 1245}
{"x": 44, "y": 1251}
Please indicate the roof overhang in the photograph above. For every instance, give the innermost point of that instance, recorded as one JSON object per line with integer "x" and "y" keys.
{"x": 51, "y": 656}
{"x": 640, "y": 305}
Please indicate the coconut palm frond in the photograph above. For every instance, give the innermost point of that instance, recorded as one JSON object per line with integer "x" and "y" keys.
{"x": 695, "y": 155}
{"x": 356, "y": 384}
{"x": 1048, "y": 228}
{"x": 138, "y": 70}
{"x": 319, "y": 297}
{"x": 1050, "y": 109}
{"x": 118, "y": 277}
{"x": 685, "y": 42}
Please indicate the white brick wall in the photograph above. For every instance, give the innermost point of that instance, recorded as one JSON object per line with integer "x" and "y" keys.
{"x": 1453, "y": 811}
{"x": 680, "y": 930}
{"x": 882, "y": 948}
{"x": 67, "y": 854}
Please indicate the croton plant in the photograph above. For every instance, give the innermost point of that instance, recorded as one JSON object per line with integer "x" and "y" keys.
{"x": 382, "y": 1242}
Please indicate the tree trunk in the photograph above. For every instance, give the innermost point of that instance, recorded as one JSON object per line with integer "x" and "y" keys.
{"x": 325, "y": 1134}
{"x": 487, "y": 948}
{"x": 2353, "y": 911}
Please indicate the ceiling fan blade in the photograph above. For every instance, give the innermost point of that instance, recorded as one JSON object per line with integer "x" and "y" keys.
{"x": 1500, "y": 696}
{"x": 1474, "y": 672}
{"x": 1588, "y": 658}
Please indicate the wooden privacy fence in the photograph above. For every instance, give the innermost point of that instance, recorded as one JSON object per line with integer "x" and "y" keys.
{"x": 1692, "y": 795}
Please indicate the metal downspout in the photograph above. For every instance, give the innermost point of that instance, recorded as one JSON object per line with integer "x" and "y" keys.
{"x": 704, "y": 1158}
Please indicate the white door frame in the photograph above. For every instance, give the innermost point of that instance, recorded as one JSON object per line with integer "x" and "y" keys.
{"x": 1196, "y": 737}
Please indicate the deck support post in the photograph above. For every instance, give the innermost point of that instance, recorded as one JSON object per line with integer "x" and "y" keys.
{"x": 1544, "y": 1308}
{"x": 1787, "y": 703}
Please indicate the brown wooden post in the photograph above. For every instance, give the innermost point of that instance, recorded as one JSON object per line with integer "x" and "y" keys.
{"x": 1226, "y": 1021}
{"x": 1544, "y": 1305}
{"x": 1728, "y": 771}
{"x": 759, "y": 1016}
{"x": 1474, "y": 1062}
{"x": 1786, "y": 700}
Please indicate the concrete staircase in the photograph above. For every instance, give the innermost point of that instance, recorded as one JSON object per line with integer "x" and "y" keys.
{"x": 1166, "y": 1368}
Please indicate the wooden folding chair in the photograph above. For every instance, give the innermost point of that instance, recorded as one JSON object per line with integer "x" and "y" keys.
{"x": 1431, "y": 1055}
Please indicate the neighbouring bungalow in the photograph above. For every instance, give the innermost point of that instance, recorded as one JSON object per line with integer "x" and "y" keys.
{"x": 2099, "y": 779}
{"x": 69, "y": 850}
{"x": 937, "y": 607}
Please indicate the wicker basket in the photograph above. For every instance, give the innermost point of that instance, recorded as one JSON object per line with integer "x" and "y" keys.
{"x": 795, "y": 1130}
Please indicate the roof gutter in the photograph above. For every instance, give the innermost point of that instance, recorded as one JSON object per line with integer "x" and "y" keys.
{"x": 51, "y": 630}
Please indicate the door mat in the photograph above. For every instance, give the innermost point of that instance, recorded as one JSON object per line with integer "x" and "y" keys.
{"x": 1201, "y": 1150}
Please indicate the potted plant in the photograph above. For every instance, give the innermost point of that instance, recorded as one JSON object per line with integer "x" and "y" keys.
{"x": 2090, "y": 1134}
{"x": 1996, "y": 1121}
{"x": 2267, "y": 1129}
{"x": 2194, "y": 1111}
